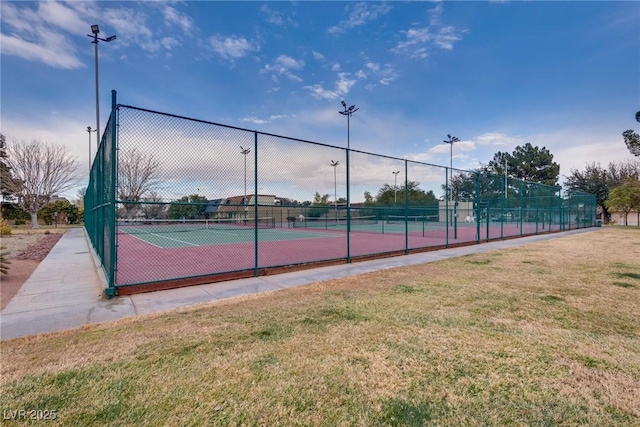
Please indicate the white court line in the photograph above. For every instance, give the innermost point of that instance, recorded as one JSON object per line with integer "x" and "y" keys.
{"x": 165, "y": 237}
{"x": 142, "y": 240}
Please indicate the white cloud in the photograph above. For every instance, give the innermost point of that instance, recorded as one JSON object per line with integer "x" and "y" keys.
{"x": 169, "y": 42}
{"x": 361, "y": 13}
{"x": 277, "y": 18}
{"x": 335, "y": 67}
{"x": 317, "y": 91}
{"x": 385, "y": 74}
{"x": 59, "y": 15}
{"x": 289, "y": 63}
{"x": 282, "y": 66}
{"x": 372, "y": 66}
{"x": 344, "y": 84}
{"x": 33, "y": 37}
{"x": 259, "y": 121}
{"x": 498, "y": 139}
{"x": 317, "y": 55}
{"x": 55, "y": 51}
{"x": 232, "y": 47}
{"x": 342, "y": 87}
{"x": 174, "y": 17}
{"x": 420, "y": 41}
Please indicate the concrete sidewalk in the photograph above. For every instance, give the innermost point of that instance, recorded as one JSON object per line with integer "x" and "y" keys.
{"x": 65, "y": 291}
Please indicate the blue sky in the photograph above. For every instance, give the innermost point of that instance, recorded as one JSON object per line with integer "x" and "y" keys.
{"x": 564, "y": 75}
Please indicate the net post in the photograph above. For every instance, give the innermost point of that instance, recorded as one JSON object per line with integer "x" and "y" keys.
{"x": 255, "y": 200}
{"x": 110, "y": 292}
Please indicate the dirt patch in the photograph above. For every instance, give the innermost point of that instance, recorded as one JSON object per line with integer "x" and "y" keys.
{"x": 25, "y": 253}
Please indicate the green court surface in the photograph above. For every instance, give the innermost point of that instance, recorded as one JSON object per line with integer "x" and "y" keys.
{"x": 213, "y": 236}
{"x": 378, "y": 227}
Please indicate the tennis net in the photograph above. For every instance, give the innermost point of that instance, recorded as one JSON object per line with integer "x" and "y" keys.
{"x": 335, "y": 222}
{"x": 401, "y": 219}
{"x": 152, "y": 226}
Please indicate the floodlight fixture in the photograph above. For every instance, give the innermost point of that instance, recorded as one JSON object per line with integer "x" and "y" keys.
{"x": 89, "y": 130}
{"x": 95, "y": 30}
{"x": 343, "y": 103}
{"x": 451, "y": 140}
{"x": 245, "y": 151}
{"x": 395, "y": 186}
{"x": 335, "y": 164}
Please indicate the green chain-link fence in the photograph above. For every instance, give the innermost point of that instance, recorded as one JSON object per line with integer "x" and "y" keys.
{"x": 174, "y": 201}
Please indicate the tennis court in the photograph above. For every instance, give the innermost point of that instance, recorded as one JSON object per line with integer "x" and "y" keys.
{"x": 195, "y": 220}
{"x": 174, "y": 249}
{"x": 177, "y": 233}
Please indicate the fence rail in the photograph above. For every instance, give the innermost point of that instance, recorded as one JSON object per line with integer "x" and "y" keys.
{"x": 173, "y": 201}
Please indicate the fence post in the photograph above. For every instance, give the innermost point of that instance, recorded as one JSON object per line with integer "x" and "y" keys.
{"x": 110, "y": 292}
{"x": 348, "y": 210}
{"x": 537, "y": 205}
{"x": 446, "y": 205}
{"x": 255, "y": 199}
{"x": 478, "y": 208}
{"x": 521, "y": 205}
{"x": 406, "y": 208}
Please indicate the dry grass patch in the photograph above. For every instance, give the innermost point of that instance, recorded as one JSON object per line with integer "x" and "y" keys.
{"x": 537, "y": 335}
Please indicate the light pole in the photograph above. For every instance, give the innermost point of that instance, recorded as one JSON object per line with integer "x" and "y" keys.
{"x": 89, "y": 130}
{"x": 95, "y": 31}
{"x": 395, "y": 186}
{"x": 335, "y": 185}
{"x": 505, "y": 178}
{"x": 245, "y": 151}
{"x": 348, "y": 112}
{"x": 451, "y": 140}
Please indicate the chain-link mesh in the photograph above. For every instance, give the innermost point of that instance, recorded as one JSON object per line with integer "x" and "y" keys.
{"x": 194, "y": 200}
{"x": 98, "y": 202}
{"x": 302, "y": 185}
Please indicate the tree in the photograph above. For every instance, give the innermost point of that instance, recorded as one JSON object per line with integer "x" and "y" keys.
{"x": 63, "y": 208}
{"x": 40, "y": 171}
{"x": 632, "y": 139}
{"x": 153, "y": 206}
{"x": 79, "y": 200}
{"x": 592, "y": 180}
{"x": 625, "y": 198}
{"x": 389, "y": 195}
{"x": 137, "y": 175}
{"x": 618, "y": 173}
{"x": 528, "y": 163}
{"x": 188, "y": 207}
{"x": 319, "y": 207}
{"x": 6, "y": 178}
{"x": 368, "y": 199}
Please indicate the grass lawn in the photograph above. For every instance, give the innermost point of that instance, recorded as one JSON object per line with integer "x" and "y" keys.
{"x": 541, "y": 335}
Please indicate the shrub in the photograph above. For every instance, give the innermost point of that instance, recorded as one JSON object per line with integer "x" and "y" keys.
{"x": 4, "y": 262}
{"x": 5, "y": 228}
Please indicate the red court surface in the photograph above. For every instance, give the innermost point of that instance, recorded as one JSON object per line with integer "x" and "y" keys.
{"x": 139, "y": 261}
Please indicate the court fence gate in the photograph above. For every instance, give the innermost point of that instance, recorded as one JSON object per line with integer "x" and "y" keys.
{"x": 174, "y": 201}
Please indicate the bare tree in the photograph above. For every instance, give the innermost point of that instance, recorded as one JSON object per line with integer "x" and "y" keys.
{"x": 137, "y": 176}
{"x": 79, "y": 201}
{"x": 40, "y": 170}
{"x": 153, "y": 206}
